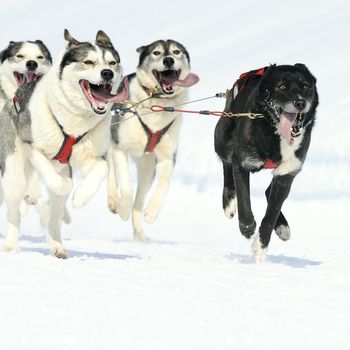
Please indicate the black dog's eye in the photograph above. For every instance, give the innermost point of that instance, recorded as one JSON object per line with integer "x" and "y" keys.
{"x": 88, "y": 62}
{"x": 306, "y": 86}
{"x": 283, "y": 87}
{"x": 176, "y": 52}
{"x": 156, "y": 53}
{"x": 19, "y": 56}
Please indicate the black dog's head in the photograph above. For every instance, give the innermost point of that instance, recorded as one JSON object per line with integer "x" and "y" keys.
{"x": 288, "y": 94}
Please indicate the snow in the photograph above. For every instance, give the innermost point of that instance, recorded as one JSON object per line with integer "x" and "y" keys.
{"x": 194, "y": 286}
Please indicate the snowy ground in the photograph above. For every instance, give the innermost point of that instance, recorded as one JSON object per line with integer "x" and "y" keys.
{"x": 195, "y": 286}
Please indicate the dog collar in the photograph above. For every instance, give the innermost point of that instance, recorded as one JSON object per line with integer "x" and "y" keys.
{"x": 151, "y": 91}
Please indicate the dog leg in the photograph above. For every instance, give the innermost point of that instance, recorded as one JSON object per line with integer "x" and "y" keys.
{"x": 281, "y": 228}
{"x": 61, "y": 185}
{"x": 280, "y": 188}
{"x": 14, "y": 184}
{"x": 164, "y": 170}
{"x": 246, "y": 220}
{"x": 95, "y": 171}
{"x": 57, "y": 204}
{"x": 32, "y": 191}
{"x": 112, "y": 189}
{"x": 229, "y": 200}
{"x": 124, "y": 182}
{"x": 145, "y": 176}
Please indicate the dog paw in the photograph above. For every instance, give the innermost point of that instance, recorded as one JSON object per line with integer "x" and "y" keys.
{"x": 113, "y": 205}
{"x": 231, "y": 207}
{"x": 259, "y": 252}
{"x": 57, "y": 250}
{"x": 124, "y": 208}
{"x": 141, "y": 237}
{"x": 30, "y": 199}
{"x": 152, "y": 211}
{"x": 247, "y": 230}
{"x": 283, "y": 232}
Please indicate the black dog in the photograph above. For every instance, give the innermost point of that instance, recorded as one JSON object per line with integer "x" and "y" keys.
{"x": 285, "y": 99}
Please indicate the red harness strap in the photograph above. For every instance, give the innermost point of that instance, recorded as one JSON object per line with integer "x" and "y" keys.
{"x": 244, "y": 78}
{"x": 154, "y": 137}
{"x": 66, "y": 149}
{"x": 269, "y": 164}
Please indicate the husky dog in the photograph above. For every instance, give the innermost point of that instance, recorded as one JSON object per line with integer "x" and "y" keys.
{"x": 22, "y": 62}
{"x": 286, "y": 99}
{"x": 59, "y": 121}
{"x": 151, "y": 139}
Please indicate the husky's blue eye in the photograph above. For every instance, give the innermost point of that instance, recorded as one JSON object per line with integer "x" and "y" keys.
{"x": 156, "y": 53}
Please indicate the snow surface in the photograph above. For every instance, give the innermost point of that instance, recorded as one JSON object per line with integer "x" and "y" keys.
{"x": 195, "y": 286}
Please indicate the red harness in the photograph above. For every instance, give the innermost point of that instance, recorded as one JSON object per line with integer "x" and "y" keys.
{"x": 153, "y": 137}
{"x": 244, "y": 78}
{"x": 269, "y": 164}
{"x": 66, "y": 149}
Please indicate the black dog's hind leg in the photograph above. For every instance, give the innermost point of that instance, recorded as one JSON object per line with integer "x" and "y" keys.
{"x": 246, "y": 220}
{"x": 281, "y": 228}
{"x": 280, "y": 187}
{"x": 229, "y": 202}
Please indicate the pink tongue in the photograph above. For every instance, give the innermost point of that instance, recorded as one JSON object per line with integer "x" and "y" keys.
{"x": 30, "y": 77}
{"x": 285, "y": 126}
{"x": 106, "y": 97}
{"x": 190, "y": 80}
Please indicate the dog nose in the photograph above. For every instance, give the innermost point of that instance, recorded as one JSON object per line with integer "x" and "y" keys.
{"x": 299, "y": 104}
{"x": 31, "y": 65}
{"x": 168, "y": 61}
{"x": 107, "y": 74}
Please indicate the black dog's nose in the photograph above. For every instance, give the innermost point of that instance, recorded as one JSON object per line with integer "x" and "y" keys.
{"x": 107, "y": 74}
{"x": 299, "y": 104}
{"x": 31, "y": 65}
{"x": 168, "y": 61}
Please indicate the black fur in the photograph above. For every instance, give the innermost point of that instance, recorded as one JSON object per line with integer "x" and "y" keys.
{"x": 244, "y": 144}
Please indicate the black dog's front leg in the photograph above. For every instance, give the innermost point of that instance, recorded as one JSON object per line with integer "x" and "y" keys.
{"x": 280, "y": 187}
{"x": 246, "y": 220}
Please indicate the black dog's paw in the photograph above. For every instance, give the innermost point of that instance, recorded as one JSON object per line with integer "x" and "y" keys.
{"x": 229, "y": 202}
{"x": 247, "y": 230}
{"x": 283, "y": 232}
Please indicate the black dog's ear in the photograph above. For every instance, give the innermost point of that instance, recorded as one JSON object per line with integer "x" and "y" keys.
{"x": 102, "y": 39}
{"x": 70, "y": 40}
{"x": 140, "y": 49}
{"x": 302, "y": 66}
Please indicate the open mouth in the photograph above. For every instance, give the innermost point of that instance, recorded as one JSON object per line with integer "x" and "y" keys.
{"x": 99, "y": 95}
{"x": 290, "y": 125}
{"x": 28, "y": 77}
{"x": 168, "y": 79}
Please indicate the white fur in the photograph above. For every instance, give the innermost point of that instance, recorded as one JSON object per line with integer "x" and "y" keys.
{"x": 132, "y": 142}
{"x": 259, "y": 252}
{"x": 290, "y": 163}
{"x": 283, "y": 232}
{"x": 230, "y": 210}
{"x": 60, "y": 100}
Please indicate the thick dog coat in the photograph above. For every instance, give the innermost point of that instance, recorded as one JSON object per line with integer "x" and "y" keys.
{"x": 151, "y": 139}
{"x": 60, "y": 122}
{"x": 287, "y": 98}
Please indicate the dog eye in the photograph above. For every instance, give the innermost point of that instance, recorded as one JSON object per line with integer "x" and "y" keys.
{"x": 283, "y": 87}
{"x": 113, "y": 63}
{"x": 306, "y": 86}
{"x": 88, "y": 62}
{"x": 156, "y": 53}
{"x": 19, "y": 56}
{"x": 176, "y": 52}
{"x": 40, "y": 57}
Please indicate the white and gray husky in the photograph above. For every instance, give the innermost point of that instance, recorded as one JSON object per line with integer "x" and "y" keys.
{"x": 151, "y": 139}
{"x": 21, "y": 62}
{"x": 58, "y": 123}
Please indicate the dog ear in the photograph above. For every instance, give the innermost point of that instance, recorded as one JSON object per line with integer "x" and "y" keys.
{"x": 140, "y": 49}
{"x": 39, "y": 42}
{"x": 302, "y": 67}
{"x": 70, "y": 40}
{"x": 103, "y": 39}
